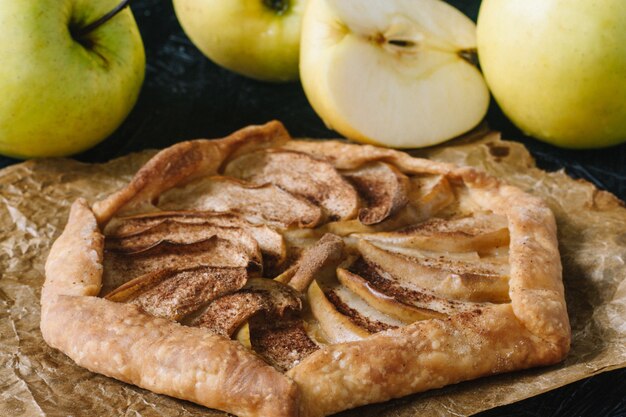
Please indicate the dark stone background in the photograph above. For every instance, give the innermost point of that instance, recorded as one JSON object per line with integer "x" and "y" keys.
{"x": 185, "y": 96}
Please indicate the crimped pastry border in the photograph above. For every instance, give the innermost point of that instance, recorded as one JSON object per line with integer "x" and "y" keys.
{"x": 120, "y": 341}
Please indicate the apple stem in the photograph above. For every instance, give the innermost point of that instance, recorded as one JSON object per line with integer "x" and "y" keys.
{"x": 96, "y": 23}
{"x": 279, "y": 6}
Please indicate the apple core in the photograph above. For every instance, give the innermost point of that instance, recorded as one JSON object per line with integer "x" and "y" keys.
{"x": 279, "y": 6}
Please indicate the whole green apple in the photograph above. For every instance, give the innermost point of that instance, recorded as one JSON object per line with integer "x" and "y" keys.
{"x": 62, "y": 93}
{"x": 557, "y": 68}
{"x": 257, "y": 38}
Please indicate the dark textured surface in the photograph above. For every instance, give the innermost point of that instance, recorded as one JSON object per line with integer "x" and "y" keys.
{"x": 185, "y": 97}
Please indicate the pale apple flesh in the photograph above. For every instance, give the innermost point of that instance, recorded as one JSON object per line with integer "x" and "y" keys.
{"x": 392, "y": 73}
{"x": 63, "y": 95}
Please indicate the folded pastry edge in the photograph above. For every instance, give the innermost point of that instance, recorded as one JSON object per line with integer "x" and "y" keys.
{"x": 123, "y": 342}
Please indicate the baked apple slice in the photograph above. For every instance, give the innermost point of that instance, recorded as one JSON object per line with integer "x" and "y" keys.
{"x": 291, "y": 171}
{"x": 383, "y": 187}
{"x": 265, "y": 203}
{"x": 481, "y": 233}
{"x": 173, "y": 294}
{"x": 259, "y": 296}
{"x": 270, "y": 242}
{"x": 344, "y": 316}
{"x": 472, "y": 281}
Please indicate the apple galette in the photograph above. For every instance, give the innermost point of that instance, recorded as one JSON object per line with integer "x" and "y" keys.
{"x": 265, "y": 276}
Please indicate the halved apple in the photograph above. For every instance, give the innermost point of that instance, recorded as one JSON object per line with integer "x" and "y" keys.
{"x": 396, "y": 73}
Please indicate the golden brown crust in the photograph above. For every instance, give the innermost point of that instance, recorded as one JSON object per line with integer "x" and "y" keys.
{"x": 536, "y": 287}
{"x": 122, "y": 341}
{"x": 347, "y": 156}
{"x": 425, "y": 355}
{"x": 531, "y": 331}
{"x": 185, "y": 161}
{"x": 74, "y": 265}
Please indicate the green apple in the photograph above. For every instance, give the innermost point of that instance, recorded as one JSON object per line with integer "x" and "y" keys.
{"x": 558, "y": 67}
{"x": 257, "y": 38}
{"x": 62, "y": 93}
{"x": 395, "y": 73}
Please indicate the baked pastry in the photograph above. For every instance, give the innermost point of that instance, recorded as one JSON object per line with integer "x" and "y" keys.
{"x": 266, "y": 276}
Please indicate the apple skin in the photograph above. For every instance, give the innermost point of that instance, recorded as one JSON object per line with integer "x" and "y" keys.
{"x": 246, "y": 36}
{"x": 557, "y": 68}
{"x": 58, "y": 96}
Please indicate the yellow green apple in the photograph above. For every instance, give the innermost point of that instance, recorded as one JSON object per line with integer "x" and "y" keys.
{"x": 557, "y": 68}
{"x": 395, "y": 73}
{"x": 62, "y": 93}
{"x": 257, "y": 38}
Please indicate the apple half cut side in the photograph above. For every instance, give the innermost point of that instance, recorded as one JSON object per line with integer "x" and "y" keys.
{"x": 394, "y": 73}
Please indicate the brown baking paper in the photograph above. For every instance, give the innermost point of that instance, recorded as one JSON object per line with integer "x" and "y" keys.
{"x": 36, "y": 380}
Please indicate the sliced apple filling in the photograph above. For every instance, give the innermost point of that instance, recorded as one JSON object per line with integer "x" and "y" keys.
{"x": 482, "y": 234}
{"x": 270, "y": 242}
{"x": 473, "y": 281}
{"x": 384, "y": 188}
{"x": 259, "y": 295}
{"x": 173, "y": 294}
{"x": 291, "y": 171}
{"x": 265, "y": 204}
{"x": 298, "y": 247}
{"x": 426, "y": 196}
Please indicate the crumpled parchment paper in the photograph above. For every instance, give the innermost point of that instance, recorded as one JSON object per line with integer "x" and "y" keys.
{"x": 36, "y": 380}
